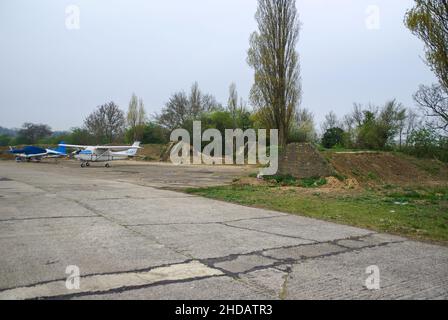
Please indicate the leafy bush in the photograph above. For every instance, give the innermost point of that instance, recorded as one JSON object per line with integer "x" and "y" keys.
{"x": 284, "y": 180}
{"x": 288, "y": 180}
{"x": 5, "y": 140}
{"x": 313, "y": 182}
{"x": 427, "y": 143}
{"x": 333, "y": 137}
{"x": 152, "y": 134}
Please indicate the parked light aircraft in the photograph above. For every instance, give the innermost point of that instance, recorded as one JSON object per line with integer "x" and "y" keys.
{"x": 33, "y": 153}
{"x": 88, "y": 154}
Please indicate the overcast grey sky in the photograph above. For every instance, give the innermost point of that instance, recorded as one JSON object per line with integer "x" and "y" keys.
{"x": 55, "y": 75}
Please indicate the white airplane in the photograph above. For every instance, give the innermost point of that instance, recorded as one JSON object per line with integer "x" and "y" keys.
{"x": 87, "y": 154}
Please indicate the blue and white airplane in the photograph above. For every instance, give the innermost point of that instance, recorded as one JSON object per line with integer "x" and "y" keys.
{"x": 33, "y": 153}
{"x": 88, "y": 154}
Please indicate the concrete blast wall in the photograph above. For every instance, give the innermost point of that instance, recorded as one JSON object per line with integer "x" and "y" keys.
{"x": 303, "y": 160}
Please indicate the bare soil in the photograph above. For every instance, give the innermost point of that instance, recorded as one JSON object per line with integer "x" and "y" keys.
{"x": 370, "y": 169}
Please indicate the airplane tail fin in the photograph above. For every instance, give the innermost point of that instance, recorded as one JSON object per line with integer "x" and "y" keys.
{"x": 61, "y": 149}
{"x": 133, "y": 151}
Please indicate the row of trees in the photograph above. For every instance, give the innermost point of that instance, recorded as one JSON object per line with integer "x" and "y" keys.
{"x": 390, "y": 127}
{"x": 370, "y": 127}
{"x": 422, "y": 133}
{"x": 29, "y": 133}
{"x": 107, "y": 124}
{"x": 181, "y": 110}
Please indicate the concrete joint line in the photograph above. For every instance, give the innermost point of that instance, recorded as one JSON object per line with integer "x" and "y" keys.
{"x": 197, "y": 223}
{"x": 266, "y": 232}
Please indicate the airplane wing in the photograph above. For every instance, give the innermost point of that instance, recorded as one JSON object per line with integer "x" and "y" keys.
{"x": 105, "y": 148}
{"x": 54, "y": 153}
{"x": 36, "y": 155}
{"x": 73, "y": 146}
{"x": 117, "y": 148}
{"x": 55, "y": 156}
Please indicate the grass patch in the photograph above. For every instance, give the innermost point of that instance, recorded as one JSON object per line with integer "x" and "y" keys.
{"x": 313, "y": 182}
{"x": 290, "y": 181}
{"x": 419, "y": 214}
{"x": 253, "y": 175}
{"x": 340, "y": 177}
{"x": 284, "y": 180}
{"x": 422, "y": 195}
{"x": 372, "y": 176}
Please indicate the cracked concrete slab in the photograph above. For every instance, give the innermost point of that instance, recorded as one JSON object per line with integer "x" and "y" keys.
{"x": 215, "y": 240}
{"x": 112, "y": 190}
{"x": 40, "y": 250}
{"x": 380, "y": 238}
{"x": 245, "y": 263}
{"x": 353, "y": 244}
{"x": 369, "y": 240}
{"x": 14, "y": 189}
{"x": 306, "y": 251}
{"x": 217, "y": 288}
{"x": 175, "y": 210}
{"x": 110, "y": 282}
{"x": 109, "y": 222}
{"x": 408, "y": 270}
{"x": 302, "y": 227}
{"x": 37, "y": 207}
{"x": 269, "y": 280}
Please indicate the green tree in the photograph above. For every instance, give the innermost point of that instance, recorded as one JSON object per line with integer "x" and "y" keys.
{"x": 331, "y": 121}
{"x": 428, "y": 20}
{"x": 5, "y": 140}
{"x": 428, "y": 143}
{"x": 182, "y": 109}
{"x": 333, "y": 137}
{"x": 152, "y": 134}
{"x": 434, "y": 103}
{"x": 303, "y": 129}
{"x": 80, "y": 136}
{"x": 141, "y": 121}
{"x": 368, "y": 136}
{"x": 232, "y": 104}
{"x": 106, "y": 123}
{"x": 132, "y": 116}
{"x": 32, "y": 133}
{"x": 220, "y": 120}
{"x": 276, "y": 91}
{"x": 136, "y": 118}
{"x": 391, "y": 119}
{"x": 379, "y": 128}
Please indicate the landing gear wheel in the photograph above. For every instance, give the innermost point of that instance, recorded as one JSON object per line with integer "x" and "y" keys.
{"x": 83, "y": 165}
{"x": 107, "y": 165}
